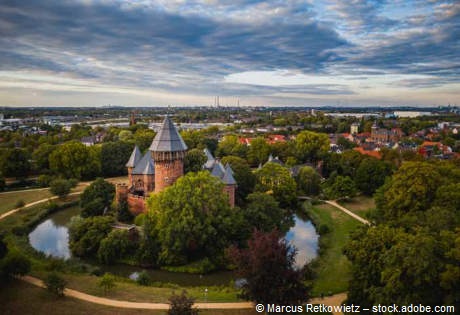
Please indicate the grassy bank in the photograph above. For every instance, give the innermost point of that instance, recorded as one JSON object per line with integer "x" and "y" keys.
{"x": 332, "y": 267}
{"x": 10, "y": 200}
{"x": 21, "y": 298}
{"x": 360, "y": 205}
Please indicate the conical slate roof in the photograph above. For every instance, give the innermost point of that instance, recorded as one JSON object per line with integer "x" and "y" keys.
{"x": 135, "y": 157}
{"x": 145, "y": 166}
{"x": 218, "y": 170}
{"x": 168, "y": 139}
{"x": 210, "y": 159}
{"x": 228, "y": 178}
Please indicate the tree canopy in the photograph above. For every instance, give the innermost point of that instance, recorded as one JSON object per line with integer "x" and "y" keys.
{"x": 192, "y": 219}
{"x": 311, "y": 146}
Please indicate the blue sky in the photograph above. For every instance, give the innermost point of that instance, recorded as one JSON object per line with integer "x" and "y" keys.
{"x": 167, "y": 52}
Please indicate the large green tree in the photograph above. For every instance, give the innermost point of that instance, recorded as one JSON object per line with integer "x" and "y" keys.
{"x": 85, "y": 235}
{"x": 371, "y": 174}
{"x": 99, "y": 189}
{"x": 192, "y": 219}
{"x": 74, "y": 160}
{"x": 194, "y": 160}
{"x": 311, "y": 146}
{"x": 230, "y": 145}
{"x": 258, "y": 151}
{"x": 276, "y": 179}
{"x": 15, "y": 163}
{"x": 308, "y": 181}
{"x": 114, "y": 156}
{"x": 264, "y": 213}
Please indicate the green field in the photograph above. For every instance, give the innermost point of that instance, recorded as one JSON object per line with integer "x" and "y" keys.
{"x": 332, "y": 267}
{"x": 360, "y": 205}
{"x": 8, "y": 201}
{"x": 22, "y": 298}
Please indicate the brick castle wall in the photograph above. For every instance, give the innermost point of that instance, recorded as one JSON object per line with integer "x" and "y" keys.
{"x": 167, "y": 172}
{"x": 230, "y": 191}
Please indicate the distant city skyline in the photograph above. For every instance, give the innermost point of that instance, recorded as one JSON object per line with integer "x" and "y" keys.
{"x": 257, "y": 53}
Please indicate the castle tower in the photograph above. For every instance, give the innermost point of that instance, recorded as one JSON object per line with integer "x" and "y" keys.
{"x": 135, "y": 157}
{"x": 168, "y": 151}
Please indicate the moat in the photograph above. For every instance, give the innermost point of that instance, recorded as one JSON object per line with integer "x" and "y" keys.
{"x": 51, "y": 237}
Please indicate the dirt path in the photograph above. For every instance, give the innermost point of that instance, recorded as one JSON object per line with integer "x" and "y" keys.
{"x": 330, "y": 300}
{"x": 6, "y": 214}
{"x": 355, "y": 216}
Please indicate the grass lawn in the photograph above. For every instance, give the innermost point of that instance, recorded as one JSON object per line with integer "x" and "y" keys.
{"x": 8, "y": 200}
{"x": 332, "y": 267}
{"x": 22, "y": 298}
{"x": 359, "y": 205}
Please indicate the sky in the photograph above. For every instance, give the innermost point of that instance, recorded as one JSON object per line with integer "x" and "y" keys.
{"x": 255, "y": 53}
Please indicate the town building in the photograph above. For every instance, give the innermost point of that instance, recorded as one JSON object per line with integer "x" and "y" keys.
{"x": 161, "y": 166}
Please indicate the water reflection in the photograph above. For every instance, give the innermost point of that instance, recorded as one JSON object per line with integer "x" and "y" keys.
{"x": 51, "y": 237}
{"x": 305, "y": 239}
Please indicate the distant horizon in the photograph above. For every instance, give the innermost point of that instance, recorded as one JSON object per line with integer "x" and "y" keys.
{"x": 306, "y": 53}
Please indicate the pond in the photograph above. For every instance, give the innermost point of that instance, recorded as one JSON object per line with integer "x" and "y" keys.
{"x": 51, "y": 237}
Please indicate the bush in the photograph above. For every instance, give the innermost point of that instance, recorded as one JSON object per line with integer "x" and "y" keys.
{"x": 60, "y": 187}
{"x": 107, "y": 282}
{"x": 2, "y": 183}
{"x": 55, "y": 284}
{"x": 93, "y": 208}
{"x": 143, "y": 278}
{"x": 181, "y": 305}
{"x": 123, "y": 214}
{"x": 20, "y": 203}
{"x": 139, "y": 220}
{"x": 323, "y": 229}
{"x": 15, "y": 264}
{"x": 44, "y": 180}
{"x": 73, "y": 182}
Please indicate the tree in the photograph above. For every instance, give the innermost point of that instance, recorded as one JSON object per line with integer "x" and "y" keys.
{"x": 55, "y": 284}
{"x": 15, "y": 264}
{"x": 60, "y": 187}
{"x": 339, "y": 187}
{"x": 258, "y": 151}
{"x": 85, "y": 235}
{"x": 243, "y": 174}
{"x": 15, "y": 163}
{"x": 349, "y": 163}
{"x": 125, "y": 135}
{"x": 98, "y": 189}
{"x": 276, "y": 179}
{"x": 123, "y": 213}
{"x": 107, "y": 282}
{"x": 412, "y": 188}
{"x": 308, "y": 181}
{"x": 194, "y": 160}
{"x": 371, "y": 174}
{"x": 94, "y": 208}
{"x": 74, "y": 160}
{"x": 181, "y": 305}
{"x": 143, "y": 138}
{"x": 264, "y": 213}
{"x": 41, "y": 156}
{"x": 192, "y": 219}
{"x": 268, "y": 267}
{"x": 114, "y": 156}
{"x": 230, "y": 145}
{"x": 311, "y": 146}
{"x": 115, "y": 246}
{"x": 143, "y": 278}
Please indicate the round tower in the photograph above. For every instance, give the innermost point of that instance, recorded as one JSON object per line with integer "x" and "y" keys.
{"x": 168, "y": 151}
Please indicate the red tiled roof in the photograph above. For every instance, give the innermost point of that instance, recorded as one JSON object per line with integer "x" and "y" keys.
{"x": 375, "y": 154}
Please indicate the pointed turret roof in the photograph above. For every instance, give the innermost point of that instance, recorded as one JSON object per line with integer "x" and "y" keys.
{"x": 228, "y": 178}
{"x": 168, "y": 139}
{"x": 218, "y": 170}
{"x": 145, "y": 166}
{"x": 135, "y": 157}
{"x": 210, "y": 160}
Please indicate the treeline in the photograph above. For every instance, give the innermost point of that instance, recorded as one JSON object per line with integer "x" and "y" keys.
{"x": 412, "y": 254}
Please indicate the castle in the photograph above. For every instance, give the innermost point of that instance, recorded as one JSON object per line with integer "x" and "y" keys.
{"x": 162, "y": 165}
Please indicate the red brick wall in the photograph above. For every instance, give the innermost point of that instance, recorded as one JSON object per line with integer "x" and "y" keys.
{"x": 167, "y": 172}
{"x": 230, "y": 191}
{"x": 121, "y": 192}
{"x": 136, "y": 204}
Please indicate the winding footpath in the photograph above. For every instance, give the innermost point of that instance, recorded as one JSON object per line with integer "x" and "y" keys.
{"x": 333, "y": 300}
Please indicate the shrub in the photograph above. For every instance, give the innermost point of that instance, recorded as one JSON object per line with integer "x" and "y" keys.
{"x": 73, "y": 182}
{"x": 143, "y": 278}
{"x": 44, "y": 180}
{"x": 60, "y": 187}
{"x": 139, "y": 220}
{"x": 20, "y": 203}
{"x": 15, "y": 264}
{"x": 107, "y": 282}
{"x": 55, "y": 284}
{"x": 323, "y": 229}
{"x": 181, "y": 305}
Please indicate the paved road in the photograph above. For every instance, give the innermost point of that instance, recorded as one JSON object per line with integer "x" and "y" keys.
{"x": 330, "y": 300}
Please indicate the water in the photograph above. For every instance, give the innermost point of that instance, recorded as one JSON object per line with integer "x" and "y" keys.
{"x": 52, "y": 238}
